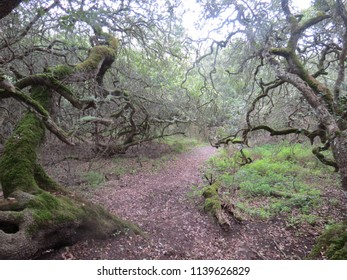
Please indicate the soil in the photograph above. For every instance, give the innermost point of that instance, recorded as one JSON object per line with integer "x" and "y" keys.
{"x": 160, "y": 201}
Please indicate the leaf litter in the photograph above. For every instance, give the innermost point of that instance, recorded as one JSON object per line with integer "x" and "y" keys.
{"x": 157, "y": 199}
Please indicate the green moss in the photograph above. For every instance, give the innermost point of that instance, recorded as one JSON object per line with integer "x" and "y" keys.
{"x": 18, "y": 166}
{"x": 179, "y": 143}
{"x": 212, "y": 202}
{"x": 95, "y": 57}
{"x": 94, "y": 178}
{"x": 19, "y": 158}
{"x": 312, "y": 82}
{"x": 47, "y": 208}
{"x": 61, "y": 71}
{"x": 22, "y": 97}
{"x": 211, "y": 191}
{"x": 283, "y": 179}
{"x": 281, "y": 51}
{"x": 113, "y": 42}
{"x": 43, "y": 180}
{"x": 212, "y": 205}
{"x": 42, "y": 95}
{"x": 332, "y": 243}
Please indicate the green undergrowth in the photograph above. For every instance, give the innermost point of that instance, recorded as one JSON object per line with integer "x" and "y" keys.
{"x": 332, "y": 244}
{"x": 94, "y": 179}
{"x": 282, "y": 180}
{"x": 176, "y": 144}
{"x": 112, "y": 169}
{"x": 180, "y": 143}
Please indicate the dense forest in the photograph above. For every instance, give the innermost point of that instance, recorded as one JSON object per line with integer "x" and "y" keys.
{"x": 135, "y": 123}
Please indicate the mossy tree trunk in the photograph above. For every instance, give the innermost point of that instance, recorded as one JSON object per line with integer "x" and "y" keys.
{"x": 327, "y": 102}
{"x": 37, "y": 213}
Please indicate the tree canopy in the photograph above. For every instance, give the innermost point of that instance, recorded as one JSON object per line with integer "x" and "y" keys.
{"x": 298, "y": 55}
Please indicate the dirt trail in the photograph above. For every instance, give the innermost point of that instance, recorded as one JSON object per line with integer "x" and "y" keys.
{"x": 177, "y": 228}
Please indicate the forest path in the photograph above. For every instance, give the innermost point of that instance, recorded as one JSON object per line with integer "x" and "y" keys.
{"x": 160, "y": 201}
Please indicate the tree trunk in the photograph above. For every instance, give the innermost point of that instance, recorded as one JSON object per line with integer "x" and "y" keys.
{"x": 6, "y": 7}
{"x": 37, "y": 213}
{"x": 339, "y": 147}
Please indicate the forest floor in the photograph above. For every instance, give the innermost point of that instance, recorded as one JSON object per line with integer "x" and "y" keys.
{"x": 156, "y": 194}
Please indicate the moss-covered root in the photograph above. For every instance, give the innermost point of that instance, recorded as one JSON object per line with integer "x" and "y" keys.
{"x": 214, "y": 207}
{"x": 332, "y": 244}
{"x": 46, "y": 221}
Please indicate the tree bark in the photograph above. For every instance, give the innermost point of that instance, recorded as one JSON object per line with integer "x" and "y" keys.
{"x": 339, "y": 148}
{"x": 6, "y": 7}
{"x": 37, "y": 213}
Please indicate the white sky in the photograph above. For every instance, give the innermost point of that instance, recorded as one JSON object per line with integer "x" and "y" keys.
{"x": 194, "y": 9}
{"x": 302, "y": 4}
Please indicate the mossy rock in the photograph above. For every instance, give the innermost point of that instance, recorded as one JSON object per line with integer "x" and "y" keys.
{"x": 332, "y": 243}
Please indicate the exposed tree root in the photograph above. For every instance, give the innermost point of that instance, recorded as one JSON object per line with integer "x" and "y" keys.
{"x": 31, "y": 224}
